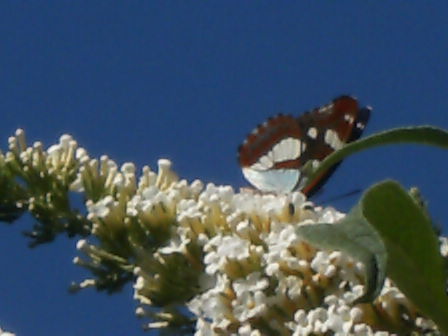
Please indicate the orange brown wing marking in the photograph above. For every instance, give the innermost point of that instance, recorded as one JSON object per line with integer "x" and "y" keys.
{"x": 335, "y": 118}
{"x": 265, "y": 136}
{"x": 289, "y": 164}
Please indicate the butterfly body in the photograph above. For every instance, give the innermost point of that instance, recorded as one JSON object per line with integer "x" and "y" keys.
{"x": 276, "y": 155}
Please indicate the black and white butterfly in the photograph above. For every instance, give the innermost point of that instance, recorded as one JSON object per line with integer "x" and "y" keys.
{"x": 274, "y": 155}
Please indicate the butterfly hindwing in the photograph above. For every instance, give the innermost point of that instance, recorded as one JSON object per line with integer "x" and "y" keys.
{"x": 270, "y": 155}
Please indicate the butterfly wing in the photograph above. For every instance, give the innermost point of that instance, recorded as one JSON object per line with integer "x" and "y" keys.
{"x": 270, "y": 155}
{"x": 273, "y": 155}
{"x": 329, "y": 128}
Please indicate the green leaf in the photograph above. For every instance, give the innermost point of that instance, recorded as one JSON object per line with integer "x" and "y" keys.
{"x": 390, "y": 231}
{"x": 414, "y": 260}
{"x": 354, "y": 236}
{"x": 424, "y": 135}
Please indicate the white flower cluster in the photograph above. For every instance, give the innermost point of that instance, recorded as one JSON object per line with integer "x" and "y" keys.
{"x": 55, "y": 167}
{"x": 256, "y": 275}
{"x": 56, "y": 158}
{"x": 234, "y": 259}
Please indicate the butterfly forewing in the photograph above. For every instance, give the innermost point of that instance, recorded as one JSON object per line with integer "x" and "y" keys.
{"x": 274, "y": 155}
{"x": 335, "y": 124}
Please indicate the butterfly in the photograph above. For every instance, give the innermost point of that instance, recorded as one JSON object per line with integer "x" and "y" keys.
{"x": 275, "y": 155}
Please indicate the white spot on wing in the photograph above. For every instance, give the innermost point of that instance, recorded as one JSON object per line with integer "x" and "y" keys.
{"x": 312, "y": 132}
{"x": 258, "y": 166}
{"x": 287, "y": 149}
{"x": 325, "y": 108}
{"x": 265, "y": 162}
{"x": 315, "y": 163}
{"x": 349, "y": 118}
{"x": 332, "y": 139}
{"x": 360, "y": 125}
{"x": 275, "y": 180}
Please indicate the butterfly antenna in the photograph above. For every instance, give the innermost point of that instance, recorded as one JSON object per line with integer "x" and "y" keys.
{"x": 345, "y": 195}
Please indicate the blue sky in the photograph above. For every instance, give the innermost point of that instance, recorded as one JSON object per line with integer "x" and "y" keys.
{"x": 185, "y": 80}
